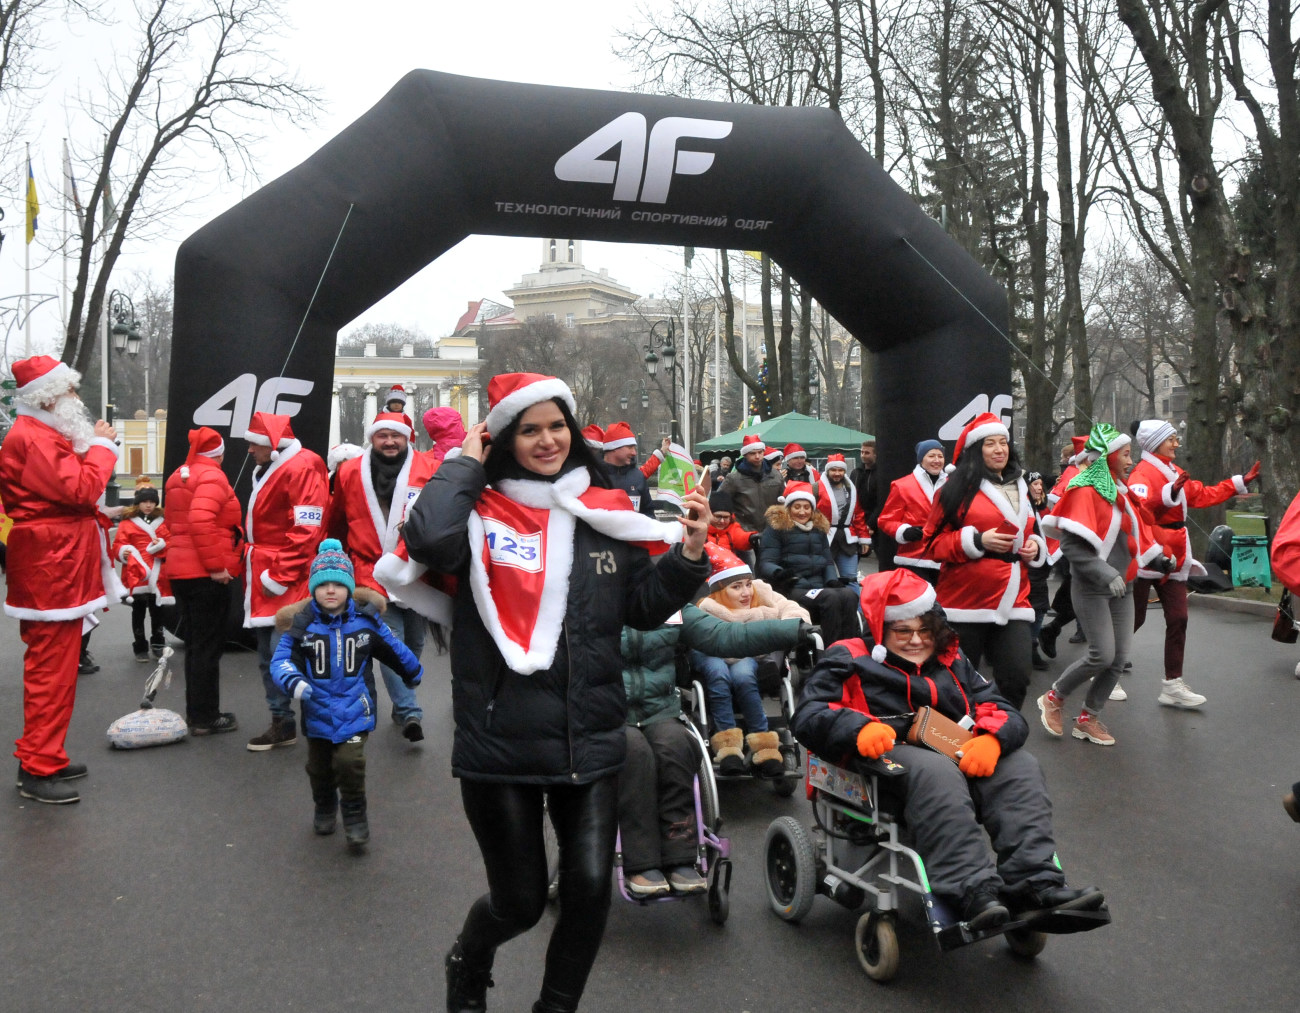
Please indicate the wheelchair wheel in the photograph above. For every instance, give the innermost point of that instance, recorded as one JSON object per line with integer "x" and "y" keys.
{"x": 720, "y": 891}
{"x": 710, "y": 813}
{"x": 790, "y": 866}
{"x": 1025, "y": 943}
{"x": 876, "y": 943}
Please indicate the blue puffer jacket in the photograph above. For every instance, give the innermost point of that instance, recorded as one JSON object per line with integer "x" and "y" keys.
{"x": 333, "y": 654}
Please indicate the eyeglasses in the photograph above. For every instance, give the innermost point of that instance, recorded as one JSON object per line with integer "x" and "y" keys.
{"x": 908, "y": 632}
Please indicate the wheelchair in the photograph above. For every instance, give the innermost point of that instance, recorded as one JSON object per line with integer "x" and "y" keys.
{"x": 780, "y": 675}
{"x": 857, "y": 852}
{"x": 713, "y": 853}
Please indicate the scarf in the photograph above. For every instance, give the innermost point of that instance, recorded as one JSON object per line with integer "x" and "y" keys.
{"x": 383, "y": 476}
{"x": 1104, "y": 440}
{"x": 521, "y": 535}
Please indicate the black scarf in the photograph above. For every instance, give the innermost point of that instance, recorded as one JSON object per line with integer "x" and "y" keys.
{"x": 383, "y": 476}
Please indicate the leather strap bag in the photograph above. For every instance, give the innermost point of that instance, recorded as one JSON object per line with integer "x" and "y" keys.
{"x": 1284, "y": 628}
{"x": 931, "y": 729}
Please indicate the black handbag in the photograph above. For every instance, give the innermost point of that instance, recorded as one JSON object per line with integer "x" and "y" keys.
{"x": 1284, "y": 627}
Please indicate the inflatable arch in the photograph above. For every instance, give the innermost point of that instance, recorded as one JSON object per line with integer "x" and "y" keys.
{"x": 441, "y": 157}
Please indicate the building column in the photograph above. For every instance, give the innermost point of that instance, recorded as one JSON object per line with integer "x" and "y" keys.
{"x": 335, "y": 438}
{"x": 368, "y": 410}
{"x": 152, "y": 458}
{"x": 471, "y": 407}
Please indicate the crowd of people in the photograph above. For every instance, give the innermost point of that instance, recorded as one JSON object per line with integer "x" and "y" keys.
{"x": 571, "y": 596}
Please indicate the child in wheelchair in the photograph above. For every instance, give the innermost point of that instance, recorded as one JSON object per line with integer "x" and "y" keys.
{"x": 731, "y": 678}
{"x": 862, "y": 696}
{"x": 656, "y": 806}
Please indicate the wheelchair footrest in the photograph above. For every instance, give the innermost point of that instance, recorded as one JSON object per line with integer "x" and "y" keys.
{"x": 953, "y": 935}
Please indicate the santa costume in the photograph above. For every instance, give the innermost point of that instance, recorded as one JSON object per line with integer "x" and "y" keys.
{"x": 59, "y": 569}
{"x": 1166, "y": 491}
{"x": 849, "y": 531}
{"x": 906, "y": 510}
{"x": 141, "y": 546}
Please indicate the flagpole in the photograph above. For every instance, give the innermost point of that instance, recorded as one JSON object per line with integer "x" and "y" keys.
{"x": 27, "y": 262}
{"x": 686, "y": 358}
{"x": 67, "y": 185}
{"x": 717, "y": 355}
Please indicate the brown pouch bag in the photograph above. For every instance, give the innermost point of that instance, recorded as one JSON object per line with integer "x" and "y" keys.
{"x": 933, "y": 730}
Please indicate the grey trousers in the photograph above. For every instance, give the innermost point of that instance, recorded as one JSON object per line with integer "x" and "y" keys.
{"x": 944, "y": 810}
{"x": 1108, "y": 624}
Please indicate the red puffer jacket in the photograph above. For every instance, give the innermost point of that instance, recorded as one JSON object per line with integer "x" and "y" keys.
{"x": 203, "y": 514}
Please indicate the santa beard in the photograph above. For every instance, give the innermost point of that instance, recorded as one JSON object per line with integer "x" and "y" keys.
{"x": 72, "y": 419}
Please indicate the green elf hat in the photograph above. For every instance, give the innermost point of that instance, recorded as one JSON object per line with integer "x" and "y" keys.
{"x": 1103, "y": 441}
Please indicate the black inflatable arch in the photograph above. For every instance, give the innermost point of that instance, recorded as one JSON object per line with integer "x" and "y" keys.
{"x": 441, "y": 157}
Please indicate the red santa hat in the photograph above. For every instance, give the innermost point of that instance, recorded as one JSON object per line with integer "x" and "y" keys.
{"x": 594, "y": 436}
{"x": 774, "y": 454}
{"x": 892, "y": 596}
{"x": 45, "y": 375}
{"x": 397, "y": 393}
{"x": 793, "y": 450}
{"x": 204, "y": 442}
{"x": 619, "y": 434}
{"x": 267, "y": 430}
{"x": 751, "y": 443}
{"x": 836, "y": 461}
{"x": 511, "y": 394}
{"x": 397, "y": 422}
{"x": 724, "y": 566}
{"x": 795, "y": 491}
{"x": 983, "y": 425}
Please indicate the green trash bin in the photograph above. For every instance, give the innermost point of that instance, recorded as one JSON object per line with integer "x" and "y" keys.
{"x": 1250, "y": 567}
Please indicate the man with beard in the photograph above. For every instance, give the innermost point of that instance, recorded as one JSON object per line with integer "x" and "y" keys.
{"x": 285, "y": 518}
{"x": 871, "y": 498}
{"x": 54, "y": 466}
{"x": 371, "y": 495}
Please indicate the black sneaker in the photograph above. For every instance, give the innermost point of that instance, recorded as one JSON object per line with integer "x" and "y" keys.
{"x": 466, "y": 985}
{"x": 142, "y": 656}
{"x": 87, "y": 666}
{"x": 412, "y": 730}
{"x": 224, "y": 723}
{"x": 355, "y": 826}
{"x": 1047, "y": 640}
{"x": 157, "y": 650}
{"x": 72, "y": 772}
{"x": 283, "y": 732}
{"x": 981, "y": 909}
{"x": 1077, "y": 636}
{"x": 1051, "y": 897}
{"x": 52, "y": 789}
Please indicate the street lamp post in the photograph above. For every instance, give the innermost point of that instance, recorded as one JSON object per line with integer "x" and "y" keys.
{"x": 815, "y": 392}
{"x": 669, "y": 352}
{"x": 126, "y": 338}
{"x": 625, "y": 402}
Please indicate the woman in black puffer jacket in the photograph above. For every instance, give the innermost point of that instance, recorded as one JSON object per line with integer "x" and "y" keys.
{"x": 550, "y": 565}
{"x": 795, "y": 558}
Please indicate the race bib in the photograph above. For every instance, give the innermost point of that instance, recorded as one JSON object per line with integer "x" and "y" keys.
{"x": 1139, "y": 489}
{"x": 813, "y": 593}
{"x": 636, "y": 501}
{"x": 308, "y": 516}
{"x": 508, "y": 547}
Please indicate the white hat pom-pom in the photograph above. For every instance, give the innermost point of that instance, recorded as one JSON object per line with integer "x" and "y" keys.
{"x": 878, "y": 653}
{"x": 948, "y": 469}
{"x": 275, "y": 455}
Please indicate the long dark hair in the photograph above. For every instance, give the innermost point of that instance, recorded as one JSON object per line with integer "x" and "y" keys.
{"x": 501, "y": 462}
{"x": 957, "y": 494}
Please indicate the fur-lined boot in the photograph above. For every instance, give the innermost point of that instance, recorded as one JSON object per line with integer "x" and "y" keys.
{"x": 727, "y": 752}
{"x": 765, "y": 758}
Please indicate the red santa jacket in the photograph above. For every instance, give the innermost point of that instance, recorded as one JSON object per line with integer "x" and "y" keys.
{"x": 1285, "y": 552}
{"x": 1082, "y": 512}
{"x": 140, "y": 545}
{"x": 975, "y": 587}
{"x": 907, "y": 506}
{"x": 1151, "y": 481}
{"x": 853, "y": 523}
{"x": 58, "y": 563}
{"x": 732, "y": 537}
{"x": 356, "y": 518}
{"x": 1058, "y": 490}
{"x": 286, "y": 516}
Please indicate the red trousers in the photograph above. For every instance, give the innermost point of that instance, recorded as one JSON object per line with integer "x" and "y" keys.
{"x": 49, "y": 689}
{"x": 1173, "y": 601}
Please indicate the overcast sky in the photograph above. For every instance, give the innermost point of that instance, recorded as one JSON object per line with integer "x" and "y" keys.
{"x": 354, "y": 53}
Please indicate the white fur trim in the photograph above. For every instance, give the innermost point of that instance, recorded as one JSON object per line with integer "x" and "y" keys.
{"x": 106, "y": 443}
{"x": 1239, "y": 484}
{"x": 795, "y": 497}
{"x": 918, "y": 606}
{"x": 400, "y": 579}
{"x": 1172, "y": 501}
{"x": 276, "y": 461}
{"x": 878, "y": 653}
{"x": 625, "y": 525}
{"x": 627, "y": 441}
{"x": 917, "y": 561}
{"x": 968, "y": 545}
{"x": 380, "y": 425}
{"x": 270, "y": 585}
{"x": 988, "y": 429}
{"x": 519, "y": 401}
{"x": 1040, "y": 557}
{"x": 386, "y": 530}
{"x": 216, "y": 451}
{"x": 62, "y": 373}
{"x": 736, "y": 571}
{"x": 59, "y": 615}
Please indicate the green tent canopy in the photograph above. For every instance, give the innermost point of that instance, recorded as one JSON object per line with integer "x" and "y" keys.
{"x": 816, "y": 436}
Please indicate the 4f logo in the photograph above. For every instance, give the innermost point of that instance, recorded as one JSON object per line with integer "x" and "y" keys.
{"x": 647, "y": 158}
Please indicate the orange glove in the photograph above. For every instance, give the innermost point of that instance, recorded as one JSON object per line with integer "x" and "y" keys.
{"x": 876, "y": 739}
{"x": 979, "y": 756}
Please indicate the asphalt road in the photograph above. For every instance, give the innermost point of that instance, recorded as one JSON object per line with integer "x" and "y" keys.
{"x": 188, "y": 877}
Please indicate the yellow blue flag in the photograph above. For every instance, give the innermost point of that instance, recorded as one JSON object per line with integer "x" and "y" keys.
{"x": 33, "y": 205}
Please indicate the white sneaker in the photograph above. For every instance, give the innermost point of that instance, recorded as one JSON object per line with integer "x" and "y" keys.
{"x": 1176, "y": 694}
{"x": 1118, "y": 693}
{"x": 1297, "y": 671}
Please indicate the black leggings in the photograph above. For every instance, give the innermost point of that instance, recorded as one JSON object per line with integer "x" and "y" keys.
{"x": 835, "y": 609}
{"x": 507, "y": 821}
{"x": 1005, "y": 653}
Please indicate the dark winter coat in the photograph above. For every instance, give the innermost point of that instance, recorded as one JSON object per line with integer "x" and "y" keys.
{"x": 333, "y": 654}
{"x": 562, "y": 725}
{"x": 632, "y": 481}
{"x": 650, "y": 659}
{"x": 792, "y": 560}
{"x": 751, "y": 494}
{"x": 847, "y": 689}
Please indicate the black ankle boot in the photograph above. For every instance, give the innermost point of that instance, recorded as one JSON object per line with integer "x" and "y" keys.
{"x": 545, "y": 1007}
{"x": 354, "y": 823}
{"x": 466, "y": 985}
{"x": 327, "y": 808}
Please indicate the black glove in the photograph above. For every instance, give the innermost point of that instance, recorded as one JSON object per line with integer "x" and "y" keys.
{"x": 834, "y": 582}
{"x": 1163, "y": 564}
{"x": 778, "y": 576}
{"x": 753, "y": 542}
{"x": 806, "y": 633}
{"x": 912, "y": 533}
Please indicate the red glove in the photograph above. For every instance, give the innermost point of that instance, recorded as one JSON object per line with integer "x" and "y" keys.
{"x": 1178, "y": 484}
{"x": 876, "y": 739}
{"x": 1251, "y": 475}
{"x": 979, "y": 756}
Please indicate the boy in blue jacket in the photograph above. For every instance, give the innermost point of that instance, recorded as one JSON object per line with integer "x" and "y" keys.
{"x": 324, "y": 659}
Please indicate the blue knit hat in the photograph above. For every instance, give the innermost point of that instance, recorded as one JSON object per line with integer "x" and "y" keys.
{"x": 331, "y": 564}
{"x": 924, "y": 447}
